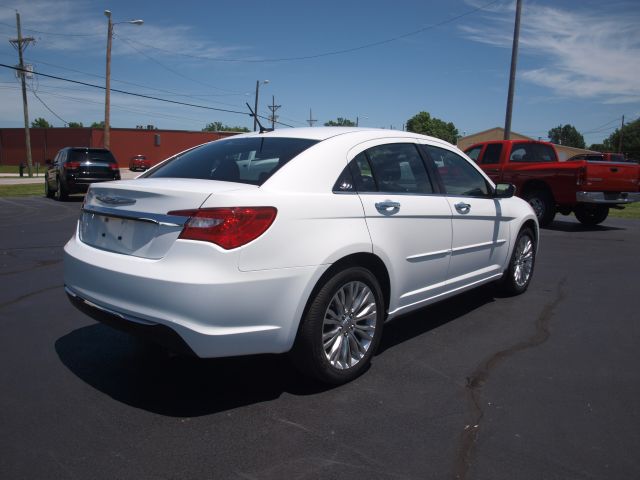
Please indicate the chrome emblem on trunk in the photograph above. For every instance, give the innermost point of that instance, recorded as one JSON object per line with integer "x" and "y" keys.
{"x": 115, "y": 200}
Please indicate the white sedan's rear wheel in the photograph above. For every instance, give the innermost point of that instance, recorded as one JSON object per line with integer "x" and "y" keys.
{"x": 342, "y": 327}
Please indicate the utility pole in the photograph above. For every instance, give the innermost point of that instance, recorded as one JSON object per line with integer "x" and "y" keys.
{"x": 621, "y": 135}
{"x": 21, "y": 44}
{"x": 273, "y": 107}
{"x": 311, "y": 120}
{"x": 512, "y": 75}
{"x": 107, "y": 90}
{"x": 107, "y": 83}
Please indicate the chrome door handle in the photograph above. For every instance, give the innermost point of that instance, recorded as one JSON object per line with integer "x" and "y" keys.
{"x": 387, "y": 205}
{"x": 463, "y": 207}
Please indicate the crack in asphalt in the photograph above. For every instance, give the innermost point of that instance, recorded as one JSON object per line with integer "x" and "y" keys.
{"x": 39, "y": 264}
{"x": 28, "y": 295}
{"x": 480, "y": 376}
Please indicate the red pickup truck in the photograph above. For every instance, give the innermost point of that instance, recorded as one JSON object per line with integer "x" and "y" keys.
{"x": 586, "y": 188}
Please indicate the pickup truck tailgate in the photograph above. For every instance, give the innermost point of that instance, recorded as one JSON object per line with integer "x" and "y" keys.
{"x": 612, "y": 177}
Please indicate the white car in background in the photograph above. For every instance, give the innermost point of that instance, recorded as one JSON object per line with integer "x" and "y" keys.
{"x": 303, "y": 240}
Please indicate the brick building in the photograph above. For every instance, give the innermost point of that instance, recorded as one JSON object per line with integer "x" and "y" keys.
{"x": 156, "y": 145}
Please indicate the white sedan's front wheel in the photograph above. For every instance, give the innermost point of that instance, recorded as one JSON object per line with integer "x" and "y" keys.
{"x": 342, "y": 327}
{"x": 518, "y": 275}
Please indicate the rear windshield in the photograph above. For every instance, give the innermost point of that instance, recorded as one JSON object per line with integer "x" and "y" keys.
{"x": 244, "y": 160}
{"x": 91, "y": 155}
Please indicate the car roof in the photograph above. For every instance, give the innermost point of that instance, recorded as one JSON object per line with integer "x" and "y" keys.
{"x": 324, "y": 133}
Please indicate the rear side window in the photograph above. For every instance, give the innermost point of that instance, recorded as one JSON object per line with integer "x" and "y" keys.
{"x": 91, "y": 155}
{"x": 398, "y": 167}
{"x": 244, "y": 160}
{"x": 532, "y": 152}
{"x": 390, "y": 168}
{"x": 492, "y": 153}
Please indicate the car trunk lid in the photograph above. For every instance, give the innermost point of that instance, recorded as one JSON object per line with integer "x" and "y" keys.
{"x": 131, "y": 217}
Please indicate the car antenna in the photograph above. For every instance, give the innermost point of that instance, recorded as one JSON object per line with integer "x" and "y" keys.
{"x": 253, "y": 114}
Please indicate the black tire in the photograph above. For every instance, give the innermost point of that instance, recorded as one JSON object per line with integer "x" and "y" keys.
{"x": 319, "y": 331}
{"x": 590, "y": 214}
{"x": 517, "y": 276}
{"x": 60, "y": 193}
{"x": 543, "y": 205}
{"x": 47, "y": 191}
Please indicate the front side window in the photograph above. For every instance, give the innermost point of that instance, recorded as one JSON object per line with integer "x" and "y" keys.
{"x": 245, "y": 160}
{"x": 458, "y": 176}
{"x": 474, "y": 153}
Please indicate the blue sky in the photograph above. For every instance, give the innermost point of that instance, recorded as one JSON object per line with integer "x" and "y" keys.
{"x": 579, "y": 62}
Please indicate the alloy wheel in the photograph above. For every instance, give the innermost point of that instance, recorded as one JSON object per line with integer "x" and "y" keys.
{"x": 349, "y": 325}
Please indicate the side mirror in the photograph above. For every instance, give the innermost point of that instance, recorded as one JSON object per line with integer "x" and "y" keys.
{"x": 504, "y": 190}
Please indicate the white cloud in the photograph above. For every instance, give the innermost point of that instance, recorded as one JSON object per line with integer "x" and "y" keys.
{"x": 72, "y": 26}
{"x": 585, "y": 54}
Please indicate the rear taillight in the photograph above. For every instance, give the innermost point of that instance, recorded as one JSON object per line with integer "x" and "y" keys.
{"x": 582, "y": 176}
{"x": 72, "y": 165}
{"x": 114, "y": 166}
{"x": 226, "y": 227}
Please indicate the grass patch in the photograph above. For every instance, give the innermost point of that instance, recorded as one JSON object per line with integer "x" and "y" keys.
{"x": 630, "y": 211}
{"x": 25, "y": 190}
{"x": 16, "y": 169}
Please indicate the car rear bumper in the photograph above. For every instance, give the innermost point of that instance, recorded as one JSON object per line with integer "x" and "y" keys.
{"x": 213, "y": 308}
{"x": 613, "y": 198}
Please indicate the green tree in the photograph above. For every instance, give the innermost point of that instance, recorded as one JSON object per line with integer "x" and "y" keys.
{"x": 74, "y": 125}
{"x": 340, "y": 122}
{"x": 98, "y": 124}
{"x": 566, "y": 135}
{"x": 40, "y": 123}
{"x": 630, "y": 140}
{"x": 598, "y": 147}
{"x": 427, "y": 125}
{"x": 220, "y": 127}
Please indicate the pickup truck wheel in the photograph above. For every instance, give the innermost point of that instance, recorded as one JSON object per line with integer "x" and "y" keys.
{"x": 591, "y": 215}
{"x": 542, "y": 203}
{"x": 342, "y": 327}
{"x": 518, "y": 275}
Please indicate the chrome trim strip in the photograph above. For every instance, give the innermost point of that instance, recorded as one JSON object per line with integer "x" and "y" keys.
{"x": 423, "y": 256}
{"x": 497, "y": 243}
{"x": 160, "y": 219}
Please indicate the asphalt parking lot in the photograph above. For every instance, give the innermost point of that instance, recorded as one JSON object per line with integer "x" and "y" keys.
{"x": 545, "y": 385}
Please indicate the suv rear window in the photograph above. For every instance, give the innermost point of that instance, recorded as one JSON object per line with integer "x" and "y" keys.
{"x": 244, "y": 160}
{"x": 91, "y": 155}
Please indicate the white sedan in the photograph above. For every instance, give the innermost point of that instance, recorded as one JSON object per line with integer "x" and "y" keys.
{"x": 302, "y": 240}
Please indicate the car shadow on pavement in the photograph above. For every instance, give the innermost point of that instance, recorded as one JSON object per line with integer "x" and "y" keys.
{"x": 429, "y": 318}
{"x": 568, "y": 227}
{"x": 145, "y": 376}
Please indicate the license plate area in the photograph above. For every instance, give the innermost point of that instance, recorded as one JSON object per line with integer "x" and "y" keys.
{"x": 117, "y": 234}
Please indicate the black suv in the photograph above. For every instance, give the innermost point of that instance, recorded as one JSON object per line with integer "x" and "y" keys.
{"x": 74, "y": 168}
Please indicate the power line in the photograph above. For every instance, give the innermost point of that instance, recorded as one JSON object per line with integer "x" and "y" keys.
{"x": 175, "y": 72}
{"x": 57, "y": 33}
{"x": 47, "y": 106}
{"x": 150, "y": 97}
{"x": 34, "y": 61}
{"x": 334, "y": 52}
